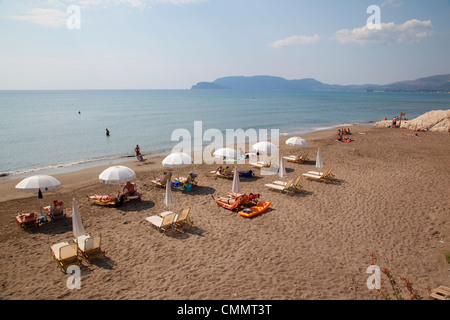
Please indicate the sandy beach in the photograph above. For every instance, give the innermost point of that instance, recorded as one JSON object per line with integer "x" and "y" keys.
{"x": 390, "y": 197}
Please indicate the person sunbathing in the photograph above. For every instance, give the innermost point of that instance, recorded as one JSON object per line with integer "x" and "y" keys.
{"x": 227, "y": 200}
{"x": 163, "y": 180}
{"x": 103, "y": 198}
{"x": 128, "y": 190}
{"x": 189, "y": 179}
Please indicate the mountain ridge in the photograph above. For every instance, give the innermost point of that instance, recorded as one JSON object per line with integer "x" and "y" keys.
{"x": 435, "y": 83}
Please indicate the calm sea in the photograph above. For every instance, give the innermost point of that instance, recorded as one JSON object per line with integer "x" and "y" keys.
{"x": 44, "y": 130}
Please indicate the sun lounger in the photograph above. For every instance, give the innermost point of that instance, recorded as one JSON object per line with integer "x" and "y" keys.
{"x": 261, "y": 164}
{"x": 105, "y": 200}
{"x": 226, "y": 174}
{"x": 55, "y": 211}
{"x": 298, "y": 159}
{"x": 320, "y": 176}
{"x": 66, "y": 254}
{"x": 162, "y": 224}
{"x": 295, "y": 186}
{"x": 136, "y": 195}
{"x": 90, "y": 246}
{"x": 162, "y": 182}
{"x": 183, "y": 219}
{"x": 286, "y": 188}
{"x": 440, "y": 293}
{"x": 27, "y": 220}
{"x": 190, "y": 179}
{"x": 185, "y": 184}
{"x": 233, "y": 203}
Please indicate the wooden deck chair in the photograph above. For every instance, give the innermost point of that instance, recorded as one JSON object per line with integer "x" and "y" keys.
{"x": 90, "y": 246}
{"x": 261, "y": 164}
{"x": 136, "y": 195}
{"x": 226, "y": 174}
{"x": 239, "y": 201}
{"x": 318, "y": 176}
{"x": 162, "y": 224}
{"x": 296, "y": 186}
{"x": 327, "y": 174}
{"x": 162, "y": 183}
{"x": 27, "y": 220}
{"x": 183, "y": 218}
{"x": 440, "y": 293}
{"x": 298, "y": 158}
{"x": 190, "y": 179}
{"x": 56, "y": 210}
{"x": 286, "y": 188}
{"x": 66, "y": 254}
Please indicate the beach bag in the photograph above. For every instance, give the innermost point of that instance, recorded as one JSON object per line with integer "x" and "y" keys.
{"x": 187, "y": 187}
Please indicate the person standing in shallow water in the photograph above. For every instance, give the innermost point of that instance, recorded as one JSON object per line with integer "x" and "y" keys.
{"x": 107, "y": 132}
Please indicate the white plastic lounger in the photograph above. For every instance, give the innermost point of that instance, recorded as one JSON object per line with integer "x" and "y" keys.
{"x": 90, "y": 246}
{"x": 162, "y": 224}
{"x": 66, "y": 254}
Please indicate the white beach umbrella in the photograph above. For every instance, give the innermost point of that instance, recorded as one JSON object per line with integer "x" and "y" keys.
{"x": 282, "y": 170}
{"x": 236, "y": 182}
{"x": 265, "y": 147}
{"x": 176, "y": 160}
{"x": 168, "y": 198}
{"x": 116, "y": 175}
{"x": 77, "y": 224}
{"x": 226, "y": 154}
{"x": 297, "y": 141}
{"x": 319, "y": 161}
{"x": 38, "y": 183}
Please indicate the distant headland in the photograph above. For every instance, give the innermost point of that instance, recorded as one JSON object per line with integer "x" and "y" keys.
{"x": 436, "y": 83}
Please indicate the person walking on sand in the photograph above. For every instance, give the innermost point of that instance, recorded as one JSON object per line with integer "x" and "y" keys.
{"x": 107, "y": 132}
{"x": 137, "y": 150}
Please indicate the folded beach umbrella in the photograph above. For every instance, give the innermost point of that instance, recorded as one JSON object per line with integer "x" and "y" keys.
{"x": 236, "y": 182}
{"x": 282, "y": 170}
{"x": 38, "y": 184}
{"x": 265, "y": 147}
{"x": 116, "y": 175}
{"x": 77, "y": 224}
{"x": 226, "y": 154}
{"x": 319, "y": 161}
{"x": 168, "y": 197}
{"x": 297, "y": 141}
{"x": 176, "y": 160}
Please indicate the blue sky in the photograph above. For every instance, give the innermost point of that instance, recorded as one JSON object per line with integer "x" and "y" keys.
{"x": 173, "y": 44}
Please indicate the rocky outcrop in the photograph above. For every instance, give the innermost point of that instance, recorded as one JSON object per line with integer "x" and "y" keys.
{"x": 436, "y": 120}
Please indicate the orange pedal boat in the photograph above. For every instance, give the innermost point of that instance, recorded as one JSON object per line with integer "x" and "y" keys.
{"x": 255, "y": 210}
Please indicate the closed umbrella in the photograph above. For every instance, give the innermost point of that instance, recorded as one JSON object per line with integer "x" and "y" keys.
{"x": 236, "y": 182}
{"x": 168, "y": 198}
{"x": 297, "y": 142}
{"x": 116, "y": 175}
{"x": 77, "y": 224}
{"x": 319, "y": 161}
{"x": 176, "y": 160}
{"x": 282, "y": 170}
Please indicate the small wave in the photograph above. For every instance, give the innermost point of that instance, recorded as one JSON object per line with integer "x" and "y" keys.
{"x": 62, "y": 165}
